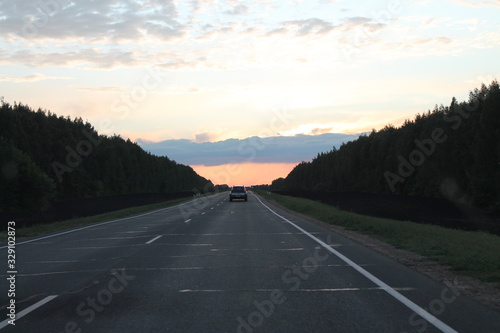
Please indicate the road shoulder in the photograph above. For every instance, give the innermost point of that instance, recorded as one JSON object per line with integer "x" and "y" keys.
{"x": 484, "y": 292}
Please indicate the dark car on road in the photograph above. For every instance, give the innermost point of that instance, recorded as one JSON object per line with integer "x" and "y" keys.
{"x": 238, "y": 192}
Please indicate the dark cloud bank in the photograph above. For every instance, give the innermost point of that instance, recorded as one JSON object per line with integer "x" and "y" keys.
{"x": 279, "y": 149}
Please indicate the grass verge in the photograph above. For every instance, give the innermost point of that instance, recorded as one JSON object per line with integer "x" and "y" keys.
{"x": 42, "y": 229}
{"x": 472, "y": 253}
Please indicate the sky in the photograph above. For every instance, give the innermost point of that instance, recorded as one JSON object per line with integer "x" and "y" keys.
{"x": 210, "y": 71}
{"x": 250, "y": 161}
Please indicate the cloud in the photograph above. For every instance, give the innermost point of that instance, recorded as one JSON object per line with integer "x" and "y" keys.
{"x": 311, "y": 26}
{"x": 426, "y": 22}
{"x": 472, "y": 23}
{"x": 103, "y": 89}
{"x": 204, "y": 137}
{"x": 358, "y": 20}
{"x": 181, "y": 63}
{"x": 106, "y": 20}
{"x": 206, "y": 6}
{"x": 94, "y": 57}
{"x": 315, "y": 27}
{"x": 435, "y": 40}
{"x": 478, "y": 4}
{"x": 420, "y": 47}
{"x": 340, "y": 126}
{"x": 210, "y": 32}
{"x": 279, "y": 149}
{"x": 318, "y": 131}
{"x": 175, "y": 35}
{"x": 302, "y": 28}
{"x": 277, "y": 31}
{"x": 418, "y": 36}
{"x": 238, "y": 10}
{"x": 31, "y": 78}
{"x": 361, "y": 23}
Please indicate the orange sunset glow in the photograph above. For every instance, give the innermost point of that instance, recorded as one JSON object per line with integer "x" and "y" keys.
{"x": 244, "y": 173}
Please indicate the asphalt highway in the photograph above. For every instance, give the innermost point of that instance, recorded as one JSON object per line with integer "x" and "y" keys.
{"x": 211, "y": 265}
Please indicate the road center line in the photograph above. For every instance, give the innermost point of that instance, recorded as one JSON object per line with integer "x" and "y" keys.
{"x": 102, "y": 223}
{"x": 412, "y": 306}
{"x": 287, "y": 291}
{"x": 28, "y": 310}
{"x": 152, "y": 240}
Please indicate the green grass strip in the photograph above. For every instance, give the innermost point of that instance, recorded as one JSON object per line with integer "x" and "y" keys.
{"x": 472, "y": 253}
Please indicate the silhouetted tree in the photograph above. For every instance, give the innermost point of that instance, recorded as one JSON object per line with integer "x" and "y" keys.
{"x": 460, "y": 142}
{"x": 46, "y": 158}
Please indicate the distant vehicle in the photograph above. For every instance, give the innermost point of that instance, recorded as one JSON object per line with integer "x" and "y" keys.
{"x": 238, "y": 192}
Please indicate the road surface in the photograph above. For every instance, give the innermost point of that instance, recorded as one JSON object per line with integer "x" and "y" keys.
{"x": 211, "y": 265}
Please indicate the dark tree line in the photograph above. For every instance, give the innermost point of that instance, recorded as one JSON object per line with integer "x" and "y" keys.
{"x": 452, "y": 151}
{"x": 45, "y": 158}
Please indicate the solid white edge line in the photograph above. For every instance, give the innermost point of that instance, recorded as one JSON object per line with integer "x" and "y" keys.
{"x": 100, "y": 224}
{"x": 412, "y": 306}
{"x": 152, "y": 240}
{"x": 28, "y": 310}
